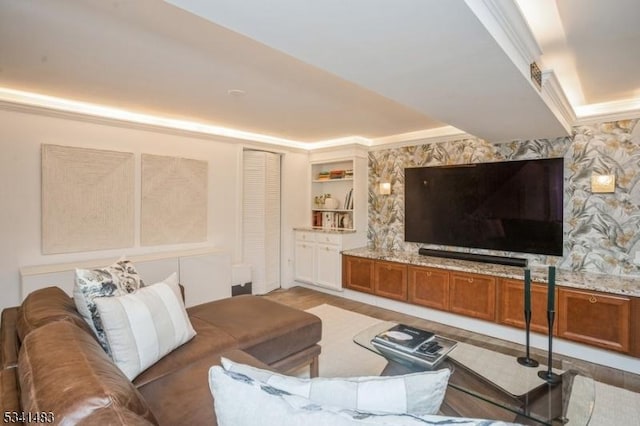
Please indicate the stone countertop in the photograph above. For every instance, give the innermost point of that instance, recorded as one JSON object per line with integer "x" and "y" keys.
{"x": 325, "y": 231}
{"x": 614, "y": 284}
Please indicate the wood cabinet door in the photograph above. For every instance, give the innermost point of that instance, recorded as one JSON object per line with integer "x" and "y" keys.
{"x": 595, "y": 318}
{"x": 357, "y": 273}
{"x": 428, "y": 287}
{"x": 511, "y": 305}
{"x": 390, "y": 280}
{"x": 472, "y": 295}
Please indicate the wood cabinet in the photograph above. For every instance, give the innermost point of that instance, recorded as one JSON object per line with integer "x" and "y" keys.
{"x": 472, "y": 295}
{"x": 357, "y": 273}
{"x": 511, "y": 305}
{"x": 598, "y": 319}
{"x": 594, "y": 318}
{"x": 428, "y": 287}
{"x": 390, "y": 280}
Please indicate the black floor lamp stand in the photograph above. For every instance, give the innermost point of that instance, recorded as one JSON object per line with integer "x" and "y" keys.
{"x": 526, "y": 360}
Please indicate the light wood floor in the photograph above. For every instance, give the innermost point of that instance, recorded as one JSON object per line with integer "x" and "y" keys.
{"x": 304, "y": 298}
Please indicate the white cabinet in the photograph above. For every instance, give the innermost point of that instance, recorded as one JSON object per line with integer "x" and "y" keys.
{"x": 304, "y": 261}
{"x": 318, "y": 259}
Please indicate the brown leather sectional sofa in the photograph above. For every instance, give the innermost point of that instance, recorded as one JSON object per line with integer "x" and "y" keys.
{"x": 53, "y": 366}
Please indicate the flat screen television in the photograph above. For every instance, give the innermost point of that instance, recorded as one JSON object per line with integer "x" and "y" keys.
{"x": 514, "y": 206}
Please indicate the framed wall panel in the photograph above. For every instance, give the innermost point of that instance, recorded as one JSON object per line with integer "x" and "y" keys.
{"x": 87, "y": 199}
{"x": 174, "y": 200}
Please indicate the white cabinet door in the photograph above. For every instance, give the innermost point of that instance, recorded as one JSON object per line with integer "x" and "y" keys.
{"x": 304, "y": 253}
{"x": 328, "y": 265}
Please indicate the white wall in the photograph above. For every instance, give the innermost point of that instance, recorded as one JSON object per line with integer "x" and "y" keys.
{"x": 21, "y": 136}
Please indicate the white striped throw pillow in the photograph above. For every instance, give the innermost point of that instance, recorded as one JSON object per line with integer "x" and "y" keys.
{"x": 144, "y": 326}
{"x": 416, "y": 393}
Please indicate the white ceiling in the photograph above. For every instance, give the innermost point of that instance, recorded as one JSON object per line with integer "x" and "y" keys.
{"x": 320, "y": 70}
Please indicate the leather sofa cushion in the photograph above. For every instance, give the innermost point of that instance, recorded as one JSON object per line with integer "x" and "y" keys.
{"x": 114, "y": 415}
{"x": 208, "y": 340}
{"x": 60, "y": 356}
{"x": 265, "y": 329}
{"x": 9, "y": 391}
{"x": 184, "y": 398}
{"x": 10, "y": 345}
{"x": 47, "y": 305}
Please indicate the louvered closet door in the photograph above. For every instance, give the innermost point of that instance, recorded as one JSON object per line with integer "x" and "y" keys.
{"x": 261, "y": 218}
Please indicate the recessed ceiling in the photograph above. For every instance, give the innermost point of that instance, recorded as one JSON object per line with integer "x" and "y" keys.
{"x": 314, "y": 71}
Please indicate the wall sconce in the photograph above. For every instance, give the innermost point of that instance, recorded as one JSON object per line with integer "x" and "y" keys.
{"x": 603, "y": 183}
{"x": 385, "y": 188}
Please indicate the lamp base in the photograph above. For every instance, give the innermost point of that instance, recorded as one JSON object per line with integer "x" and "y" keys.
{"x": 550, "y": 377}
{"x": 527, "y": 362}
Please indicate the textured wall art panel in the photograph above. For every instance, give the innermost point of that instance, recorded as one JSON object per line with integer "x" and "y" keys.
{"x": 600, "y": 230}
{"x": 87, "y": 199}
{"x": 174, "y": 200}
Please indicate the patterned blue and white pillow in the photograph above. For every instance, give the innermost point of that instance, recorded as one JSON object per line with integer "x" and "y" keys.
{"x": 416, "y": 393}
{"x": 242, "y": 401}
{"x": 114, "y": 280}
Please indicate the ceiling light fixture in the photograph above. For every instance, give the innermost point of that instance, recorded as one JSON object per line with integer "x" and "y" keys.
{"x": 236, "y": 92}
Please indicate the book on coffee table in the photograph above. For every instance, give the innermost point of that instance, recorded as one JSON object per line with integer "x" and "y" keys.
{"x": 424, "y": 349}
{"x": 404, "y": 337}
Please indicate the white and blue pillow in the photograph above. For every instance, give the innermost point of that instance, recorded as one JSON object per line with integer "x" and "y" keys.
{"x": 114, "y": 280}
{"x": 240, "y": 400}
{"x": 416, "y": 393}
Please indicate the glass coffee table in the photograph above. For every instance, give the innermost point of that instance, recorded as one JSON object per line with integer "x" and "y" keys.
{"x": 490, "y": 385}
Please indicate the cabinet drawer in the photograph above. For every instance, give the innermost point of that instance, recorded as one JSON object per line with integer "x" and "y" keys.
{"x": 428, "y": 287}
{"x": 329, "y": 238}
{"x": 594, "y": 318}
{"x": 473, "y": 295}
{"x": 390, "y": 280}
{"x": 309, "y": 237}
{"x": 511, "y": 305}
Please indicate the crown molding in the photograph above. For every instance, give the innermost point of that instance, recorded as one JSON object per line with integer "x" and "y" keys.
{"x": 506, "y": 23}
{"x": 608, "y": 111}
{"x": 439, "y": 134}
{"x": 34, "y": 103}
{"x": 555, "y": 97}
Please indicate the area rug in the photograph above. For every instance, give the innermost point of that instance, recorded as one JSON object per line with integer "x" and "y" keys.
{"x": 341, "y": 357}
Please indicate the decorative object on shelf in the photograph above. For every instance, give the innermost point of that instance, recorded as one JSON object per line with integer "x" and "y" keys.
{"x": 336, "y": 174}
{"x": 347, "y": 223}
{"x": 548, "y": 375}
{"x": 348, "y": 200}
{"x": 320, "y": 199}
{"x": 526, "y": 360}
{"x": 328, "y": 220}
{"x": 324, "y": 175}
{"x": 331, "y": 203}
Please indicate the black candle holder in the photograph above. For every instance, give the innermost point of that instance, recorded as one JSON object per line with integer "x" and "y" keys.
{"x": 549, "y": 376}
{"x": 527, "y": 361}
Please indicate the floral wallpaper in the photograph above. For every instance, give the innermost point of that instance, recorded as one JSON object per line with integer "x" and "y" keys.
{"x": 601, "y": 230}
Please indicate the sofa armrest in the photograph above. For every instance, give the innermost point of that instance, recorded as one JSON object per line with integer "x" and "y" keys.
{"x": 9, "y": 343}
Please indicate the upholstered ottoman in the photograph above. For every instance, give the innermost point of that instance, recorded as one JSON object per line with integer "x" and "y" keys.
{"x": 278, "y": 335}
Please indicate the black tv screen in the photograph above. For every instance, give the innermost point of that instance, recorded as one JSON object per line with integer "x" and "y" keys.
{"x": 511, "y": 206}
